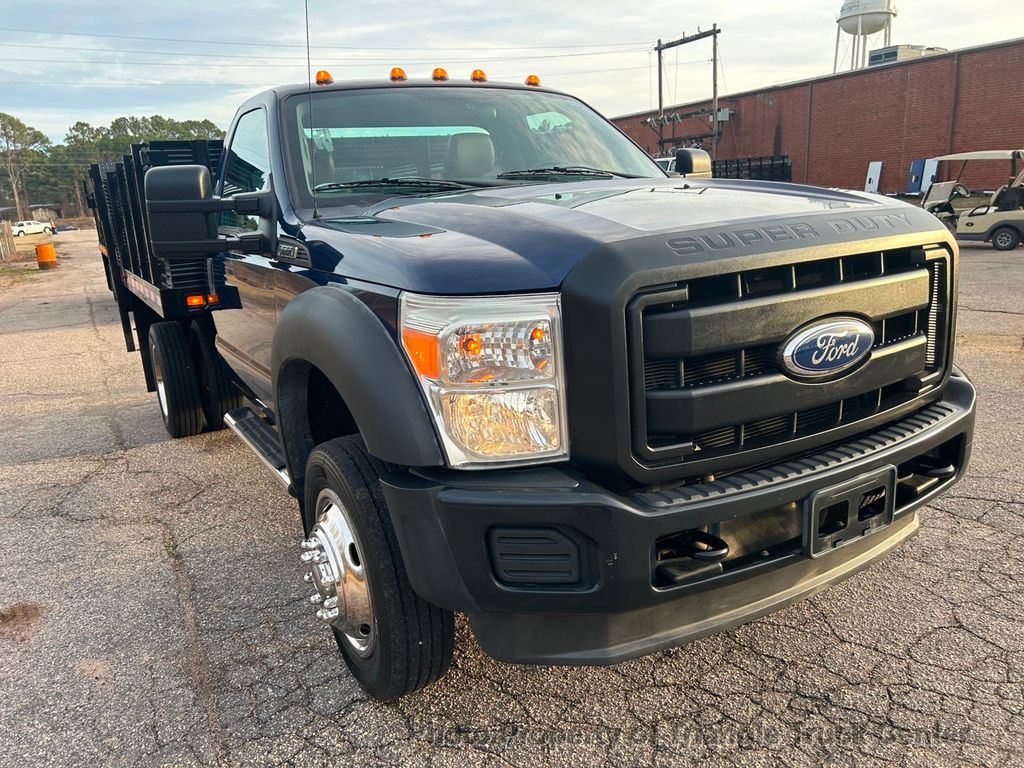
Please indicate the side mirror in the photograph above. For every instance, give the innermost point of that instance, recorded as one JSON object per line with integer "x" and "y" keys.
{"x": 179, "y": 201}
{"x": 184, "y": 213}
{"x": 695, "y": 163}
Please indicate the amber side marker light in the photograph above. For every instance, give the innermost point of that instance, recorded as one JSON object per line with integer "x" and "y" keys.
{"x": 478, "y": 76}
{"x": 439, "y": 75}
{"x": 195, "y": 300}
{"x": 533, "y": 80}
{"x": 423, "y": 351}
{"x": 398, "y": 75}
{"x": 323, "y": 77}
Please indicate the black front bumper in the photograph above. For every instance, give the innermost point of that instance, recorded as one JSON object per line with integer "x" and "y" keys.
{"x": 448, "y": 524}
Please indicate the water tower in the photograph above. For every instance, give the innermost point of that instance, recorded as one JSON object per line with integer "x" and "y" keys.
{"x": 862, "y": 20}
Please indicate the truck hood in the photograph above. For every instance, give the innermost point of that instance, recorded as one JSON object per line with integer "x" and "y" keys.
{"x": 528, "y": 237}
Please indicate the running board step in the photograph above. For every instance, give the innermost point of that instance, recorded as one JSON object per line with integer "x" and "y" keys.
{"x": 261, "y": 439}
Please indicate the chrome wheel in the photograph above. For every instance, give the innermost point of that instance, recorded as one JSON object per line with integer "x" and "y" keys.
{"x": 338, "y": 573}
{"x": 161, "y": 387}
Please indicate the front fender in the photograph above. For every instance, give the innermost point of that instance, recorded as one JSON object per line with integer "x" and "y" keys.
{"x": 331, "y": 329}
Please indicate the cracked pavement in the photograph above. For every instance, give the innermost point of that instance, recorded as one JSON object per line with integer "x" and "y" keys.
{"x": 152, "y": 610}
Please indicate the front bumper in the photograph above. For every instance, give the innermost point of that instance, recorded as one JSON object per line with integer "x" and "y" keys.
{"x": 446, "y": 524}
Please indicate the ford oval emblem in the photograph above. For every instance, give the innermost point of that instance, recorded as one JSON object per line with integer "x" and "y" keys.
{"x": 827, "y": 348}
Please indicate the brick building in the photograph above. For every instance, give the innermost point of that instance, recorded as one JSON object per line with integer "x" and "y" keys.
{"x": 831, "y": 127}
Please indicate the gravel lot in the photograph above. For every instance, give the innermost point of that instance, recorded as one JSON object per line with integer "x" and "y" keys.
{"x": 152, "y": 610}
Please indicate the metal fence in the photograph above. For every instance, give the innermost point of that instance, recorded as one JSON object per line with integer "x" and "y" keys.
{"x": 768, "y": 168}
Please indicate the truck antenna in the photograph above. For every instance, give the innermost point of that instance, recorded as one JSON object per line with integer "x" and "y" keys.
{"x": 309, "y": 97}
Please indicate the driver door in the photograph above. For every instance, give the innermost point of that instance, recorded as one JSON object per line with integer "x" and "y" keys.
{"x": 244, "y": 334}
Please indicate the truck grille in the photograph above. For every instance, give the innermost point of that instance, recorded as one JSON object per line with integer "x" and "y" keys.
{"x": 709, "y": 362}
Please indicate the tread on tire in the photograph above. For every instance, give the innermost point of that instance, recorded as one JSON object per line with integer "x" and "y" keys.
{"x": 414, "y": 638}
{"x": 175, "y": 371}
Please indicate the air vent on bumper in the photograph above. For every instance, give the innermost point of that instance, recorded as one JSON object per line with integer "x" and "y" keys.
{"x": 525, "y": 557}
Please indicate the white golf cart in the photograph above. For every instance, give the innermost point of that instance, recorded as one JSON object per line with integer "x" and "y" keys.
{"x": 1000, "y": 220}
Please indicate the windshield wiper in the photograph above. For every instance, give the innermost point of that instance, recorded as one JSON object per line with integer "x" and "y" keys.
{"x": 564, "y": 170}
{"x": 419, "y": 182}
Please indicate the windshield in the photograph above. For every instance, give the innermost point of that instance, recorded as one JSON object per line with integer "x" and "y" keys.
{"x": 458, "y": 134}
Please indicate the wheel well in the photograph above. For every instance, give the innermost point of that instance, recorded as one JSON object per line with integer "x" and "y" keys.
{"x": 310, "y": 411}
{"x": 329, "y": 417}
{"x": 1014, "y": 225}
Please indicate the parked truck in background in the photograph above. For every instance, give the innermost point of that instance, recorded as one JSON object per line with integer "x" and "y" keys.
{"x": 508, "y": 367}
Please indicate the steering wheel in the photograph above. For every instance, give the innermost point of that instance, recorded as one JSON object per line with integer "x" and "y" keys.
{"x": 959, "y": 190}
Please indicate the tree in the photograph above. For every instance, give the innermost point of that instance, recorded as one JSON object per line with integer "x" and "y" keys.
{"x": 59, "y": 176}
{"x": 20, "y": 147}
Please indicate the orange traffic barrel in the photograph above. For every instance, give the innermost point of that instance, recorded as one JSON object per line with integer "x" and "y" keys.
{"x": 46, "y": 256}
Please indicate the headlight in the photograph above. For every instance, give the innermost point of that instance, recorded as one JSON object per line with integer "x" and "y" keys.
{"x": 491, "y": 369}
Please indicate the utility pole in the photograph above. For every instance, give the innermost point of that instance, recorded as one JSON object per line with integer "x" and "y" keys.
{"x": 660, "y": 47}
{"x": 661, "y": 103}
{"x": 714, "y": 91}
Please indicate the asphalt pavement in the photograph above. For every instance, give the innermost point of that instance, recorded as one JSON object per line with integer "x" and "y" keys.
{"x": 152, "y": 610}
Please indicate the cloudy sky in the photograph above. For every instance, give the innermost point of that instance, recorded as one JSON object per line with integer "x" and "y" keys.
{"x": 69, "y": 60}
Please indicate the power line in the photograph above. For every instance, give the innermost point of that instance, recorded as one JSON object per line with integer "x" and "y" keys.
{"x": 149, "y": 63}
{"x": 261, "y": 66}
{"x": 254, "y": 65}
{"x": 389, "y": 60}
{"x": 141, "y": 83}
{"x": 52, "y": 33}
{"x": 138, "y": 83}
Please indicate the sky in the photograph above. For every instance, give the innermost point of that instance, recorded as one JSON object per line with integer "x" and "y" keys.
{"x": 70, "y": 60}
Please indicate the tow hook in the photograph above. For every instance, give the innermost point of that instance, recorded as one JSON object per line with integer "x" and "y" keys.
{"x": 690, "y": 555}
{"x": 703, "y": 546}
{"x": 930, "y": 466}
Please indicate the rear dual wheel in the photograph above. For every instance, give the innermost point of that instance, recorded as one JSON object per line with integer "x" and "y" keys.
{"x": 217, "y": 394}
{"x": 193, "y": 383}
{"x": 177, "y": 387}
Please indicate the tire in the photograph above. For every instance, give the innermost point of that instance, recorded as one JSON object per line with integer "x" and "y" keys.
{"x": 20, "y": 233}
{"x": 409, "y": 642}
{"x": 175, "y": 374}
{"x": 1005, "y": 239}
{"x": 217, "y": 394}
{"x": 47, "y": 230}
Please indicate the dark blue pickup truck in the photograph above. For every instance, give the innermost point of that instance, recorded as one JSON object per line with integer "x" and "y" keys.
{"x": 509, "y": 367}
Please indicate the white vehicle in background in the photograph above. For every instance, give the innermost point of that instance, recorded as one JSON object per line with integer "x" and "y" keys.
{"x": 30, "y": 227}
{"x": 1000, "y": 220}
{"x": 667, "y": 164}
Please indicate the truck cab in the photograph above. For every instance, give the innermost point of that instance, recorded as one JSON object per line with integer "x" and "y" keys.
{"x": 508, "y": 367}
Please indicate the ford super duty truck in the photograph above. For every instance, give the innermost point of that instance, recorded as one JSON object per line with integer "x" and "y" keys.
{"x": 507, "y": 367}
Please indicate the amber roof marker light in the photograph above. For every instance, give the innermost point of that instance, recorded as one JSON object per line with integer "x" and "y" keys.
{"x": 533, "y": 80}
{"x": 478, "y": 76}
{"x": 439, "y": 75}
{"x": 323, "y": 77}
{"x": 398, "y": 75}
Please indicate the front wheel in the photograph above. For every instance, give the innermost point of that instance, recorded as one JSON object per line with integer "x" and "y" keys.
{"x": 20, "y": 233}
{"x": 47, "y": 230}
{"x": 393, "y": 641}
{"x": 1005, "y": 239}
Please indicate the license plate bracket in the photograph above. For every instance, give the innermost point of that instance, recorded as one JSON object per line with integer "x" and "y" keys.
{"x": 846, "y": 512}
